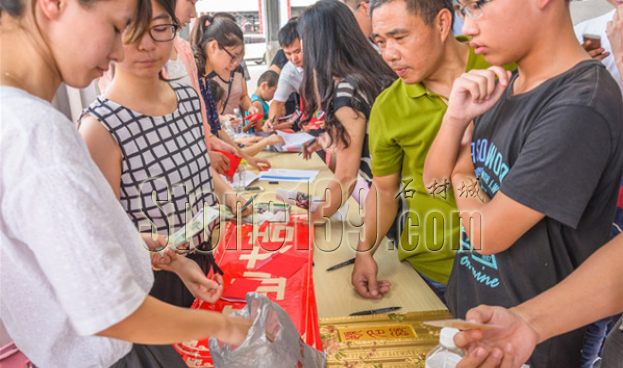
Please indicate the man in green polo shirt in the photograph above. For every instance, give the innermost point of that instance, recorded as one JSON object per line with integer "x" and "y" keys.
{"x": 415, "y": 38}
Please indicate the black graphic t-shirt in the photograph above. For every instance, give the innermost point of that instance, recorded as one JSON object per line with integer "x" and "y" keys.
{"x": 557, "y": 149}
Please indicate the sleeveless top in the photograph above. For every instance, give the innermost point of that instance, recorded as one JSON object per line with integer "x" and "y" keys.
{"x": 165, "y": 162}
{"x": 345, "y": 96}
{"x": 265, "y": 106}
{"x": 233, "y": 94}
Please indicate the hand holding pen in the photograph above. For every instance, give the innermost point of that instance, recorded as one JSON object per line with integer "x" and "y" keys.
{"x": 232, "y": 202}
{"x": 270, "y": 124}
{"x": 247, "y": 203}
{"x": 310, "y": 147}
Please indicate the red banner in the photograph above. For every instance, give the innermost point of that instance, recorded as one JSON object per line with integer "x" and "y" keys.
{"x": 246, "y": 255}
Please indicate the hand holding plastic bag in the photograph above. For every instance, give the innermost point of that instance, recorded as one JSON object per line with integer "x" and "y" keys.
{"x": 272, "y": 341}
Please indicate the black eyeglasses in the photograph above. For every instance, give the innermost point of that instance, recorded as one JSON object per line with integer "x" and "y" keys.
{"x": 472, "y": 9}
{"x": 163, "y": 32}
{"x": 234, "y": 58}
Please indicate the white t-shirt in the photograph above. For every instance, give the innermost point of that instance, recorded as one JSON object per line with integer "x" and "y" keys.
{"x": 72, "y": 263}
{"x": 290, "y": 80}
{"x": 598, "y": 26}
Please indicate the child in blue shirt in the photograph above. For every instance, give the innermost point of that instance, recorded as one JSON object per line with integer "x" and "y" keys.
{"x": 266, "y": 87}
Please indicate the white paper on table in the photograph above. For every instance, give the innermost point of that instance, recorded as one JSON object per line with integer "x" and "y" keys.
{"x": 288, "y": 175}
{"x": 301, "y": 200}
{"x": 295, "y": 139}
{"x": 249, "y": 177}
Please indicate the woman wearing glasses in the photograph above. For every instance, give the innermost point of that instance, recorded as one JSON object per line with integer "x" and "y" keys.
{"x": 218, "y": 47}
{"x": 234, "y": 84}
{"x": 145, "y": 135}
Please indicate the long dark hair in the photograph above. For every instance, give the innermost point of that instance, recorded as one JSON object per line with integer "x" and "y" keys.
{"x": 206, "y": 29}
{"x": 334, "y": 47}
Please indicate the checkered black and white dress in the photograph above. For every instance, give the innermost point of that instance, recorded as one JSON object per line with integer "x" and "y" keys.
{"x": 165, "y": 166}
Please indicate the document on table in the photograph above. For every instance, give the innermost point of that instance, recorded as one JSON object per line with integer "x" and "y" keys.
{"x": 302, "y": 200}
{"x": 293, "y": 142}
{"x": 249, "y": 177}
{"x": 288, "y": 175}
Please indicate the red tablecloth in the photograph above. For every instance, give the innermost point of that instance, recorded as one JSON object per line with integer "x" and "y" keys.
{"x": 239, "y": 257}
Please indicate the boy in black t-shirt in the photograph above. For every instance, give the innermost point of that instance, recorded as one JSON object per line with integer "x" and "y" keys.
{"x": 539, "y": 175}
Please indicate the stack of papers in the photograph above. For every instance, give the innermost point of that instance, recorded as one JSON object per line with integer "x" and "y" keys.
{"x": 196, "y": 225}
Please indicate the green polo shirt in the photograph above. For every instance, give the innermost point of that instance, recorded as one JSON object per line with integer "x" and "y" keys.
{"x": 403, "y": 124}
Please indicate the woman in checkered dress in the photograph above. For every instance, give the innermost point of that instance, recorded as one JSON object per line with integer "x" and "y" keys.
{"x": 146, "y": 136}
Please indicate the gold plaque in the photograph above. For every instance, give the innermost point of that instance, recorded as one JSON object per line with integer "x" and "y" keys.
{"x": 377, "y": 333}
{"x": 392, "y": 340}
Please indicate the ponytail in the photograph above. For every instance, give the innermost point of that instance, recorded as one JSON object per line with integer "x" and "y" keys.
{"x": 206, "y": 29}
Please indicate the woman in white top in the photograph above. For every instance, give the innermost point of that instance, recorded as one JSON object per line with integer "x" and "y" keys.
{"x": 75, "y": 275}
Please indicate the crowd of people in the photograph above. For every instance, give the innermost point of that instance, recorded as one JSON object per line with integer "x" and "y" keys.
{"x": 502, "y": 139}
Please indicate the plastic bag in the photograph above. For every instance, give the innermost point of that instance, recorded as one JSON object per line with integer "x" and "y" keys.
{"x": 287, "y": 350}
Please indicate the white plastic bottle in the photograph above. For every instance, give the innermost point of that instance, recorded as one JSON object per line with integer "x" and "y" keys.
{"x": 446, "y": 354}
{"x": 239, "y": 122}
{"x": 240, "y": 178}
{"x": 227, "y": 127}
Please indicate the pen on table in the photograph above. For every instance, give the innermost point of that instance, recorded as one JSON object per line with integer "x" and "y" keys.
{"x": 248, "y": 203}
{"x": 375, "y": 311}
{"x": 340, "y": 265}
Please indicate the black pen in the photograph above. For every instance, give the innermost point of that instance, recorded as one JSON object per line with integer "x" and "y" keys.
{"x": 306, "y": 145}
{"x": 310, "y": 142}
{"x": 375, "y": 311}
{"x": 248, "y": 203}
{"x": 340, "y": 265}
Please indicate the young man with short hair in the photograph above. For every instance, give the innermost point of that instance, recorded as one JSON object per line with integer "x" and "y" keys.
{"x": 291, "y": 76}
{"x": 546, "y": 148}
{"x": 415, "y": 39}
